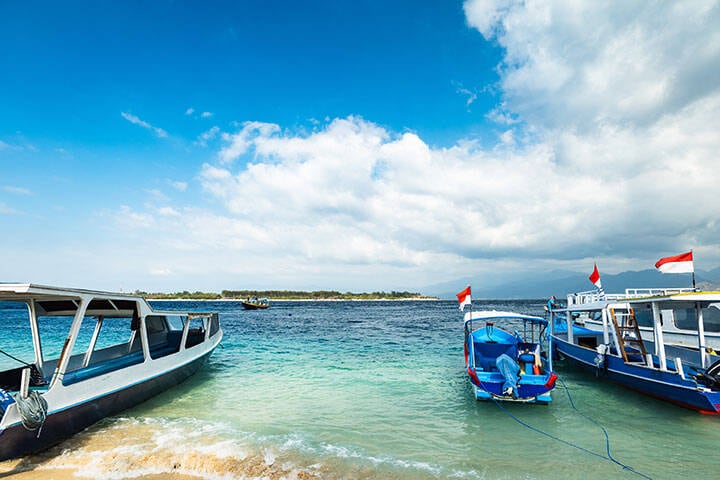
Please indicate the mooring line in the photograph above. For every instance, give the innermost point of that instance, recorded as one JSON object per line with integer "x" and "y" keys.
{"x": 566, "y": 442}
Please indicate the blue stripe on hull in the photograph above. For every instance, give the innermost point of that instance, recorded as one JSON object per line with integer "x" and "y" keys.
{"x": 16, "y": 441}
{"x": 667, "y": 386}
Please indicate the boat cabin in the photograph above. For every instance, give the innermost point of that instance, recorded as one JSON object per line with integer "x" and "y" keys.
{"x": 69, "y": 336}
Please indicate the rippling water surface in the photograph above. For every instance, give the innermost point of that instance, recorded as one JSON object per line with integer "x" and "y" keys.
{"x": 374, "y": 390}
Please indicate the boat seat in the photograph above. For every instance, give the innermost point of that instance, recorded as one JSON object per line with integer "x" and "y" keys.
{"x": 527, "y": 360}
{"x": 107, "y": 366}
{"x": 103, "y": 367}
{"x": 487, "y": 353}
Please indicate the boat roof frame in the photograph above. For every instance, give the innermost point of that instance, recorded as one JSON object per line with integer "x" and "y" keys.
{"x": 26, "y": 292}
{"x": 475, "y": 315}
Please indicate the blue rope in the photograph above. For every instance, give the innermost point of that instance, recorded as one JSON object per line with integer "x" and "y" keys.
{"x": 607, "y": 437}
{"x": 565, "y": 442}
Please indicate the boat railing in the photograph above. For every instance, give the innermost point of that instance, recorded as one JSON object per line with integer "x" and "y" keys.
{"x": 652, "y": 292}
{"x": 592, "y": 296}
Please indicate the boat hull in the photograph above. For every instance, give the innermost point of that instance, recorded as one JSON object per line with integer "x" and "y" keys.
{"x": 531, "y": 389}
{"x": 16, "y": 441}
{"x": 253, "y": 306}
{"x": 665, "y": 385}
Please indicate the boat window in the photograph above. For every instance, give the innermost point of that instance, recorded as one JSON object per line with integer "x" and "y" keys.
{"x": 110, "y": 351}
{"x": 644, "y": 318}
{"x": 685, "y": 318}
{"x": 711, "y": 318}
{"x": 196, "y": 332}
{"x": 53, "y": 332}
{"x": 176, "y": 322}
{"x": 15, "y": 324}
{"x": 114, "y": 331}
{"x": 82, "y": 343}
{"x": 162, "y": 339}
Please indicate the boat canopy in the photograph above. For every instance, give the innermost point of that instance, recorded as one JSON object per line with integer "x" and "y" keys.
{"x": 62, "y": 302}
{"x": 494, "y": 314}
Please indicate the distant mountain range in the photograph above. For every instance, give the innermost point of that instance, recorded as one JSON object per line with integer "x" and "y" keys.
{"x": 562, "y": 282}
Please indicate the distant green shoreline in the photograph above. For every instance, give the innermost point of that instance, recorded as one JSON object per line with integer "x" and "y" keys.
{"x": 285, "y": 295}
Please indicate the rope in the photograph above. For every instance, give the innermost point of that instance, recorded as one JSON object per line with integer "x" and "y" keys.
{"x": 565, "y": 442}
{"x": 14, "y": 358}
{"x": 32, "y": 409}
{"x": 607, "y": 437}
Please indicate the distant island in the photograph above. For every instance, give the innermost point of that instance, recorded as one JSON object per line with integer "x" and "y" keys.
{"x": 284, "y": 295}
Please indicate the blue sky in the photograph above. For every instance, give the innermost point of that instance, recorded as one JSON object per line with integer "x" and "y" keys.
{"x": 353, "y": 145}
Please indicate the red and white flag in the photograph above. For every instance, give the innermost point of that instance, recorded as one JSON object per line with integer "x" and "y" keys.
{"x": 595, "y": 277}
{"x": 682, "y": 263}
{"x": 464, "y": 298}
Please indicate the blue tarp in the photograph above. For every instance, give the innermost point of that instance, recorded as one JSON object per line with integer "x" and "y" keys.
{"x": 510, "y": 370}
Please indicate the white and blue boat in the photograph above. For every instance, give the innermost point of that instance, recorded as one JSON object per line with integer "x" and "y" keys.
{"x": 604, "y": 333}
{"x": 78, "y": 356}
{"x": 508, "y": 366}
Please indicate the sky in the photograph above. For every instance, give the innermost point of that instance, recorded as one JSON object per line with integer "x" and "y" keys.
{"x": 354, "y": 146}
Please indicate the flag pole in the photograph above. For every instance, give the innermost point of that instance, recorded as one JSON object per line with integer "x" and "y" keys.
{"x": 693, "y": 270}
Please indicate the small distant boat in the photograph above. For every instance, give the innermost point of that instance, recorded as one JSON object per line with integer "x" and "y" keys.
{"x": 117, "y": 352}
{"x": 633, "y": 339}
{"x": 256, "y": 303}
{"x": 508, "y": 366}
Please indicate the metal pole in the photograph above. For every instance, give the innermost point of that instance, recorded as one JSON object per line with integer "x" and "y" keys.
{"x": 693, "y": 271}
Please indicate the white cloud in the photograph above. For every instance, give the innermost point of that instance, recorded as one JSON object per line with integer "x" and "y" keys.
{"x": 161, "y": 271}
{"x": 208, "y": 135}
{"x": 10, "y": 147}
{"x": 580, "y": 64}
{"x": 168, "y": 212}
{"x": 206, "y": 114}
{"x": 16, "y": 190}
{"x": 5, "y": 210}
{"x": 137, "y": 121}
{"x": 156, "y": 194}
{"x": 239, "y": 142}
{"x": 471, "y": 95}
{"x": 610, "y": 151}
{"x": 177, "y": 185}
{"x": 131, "y": 219}
{"x": 189, "y": 111}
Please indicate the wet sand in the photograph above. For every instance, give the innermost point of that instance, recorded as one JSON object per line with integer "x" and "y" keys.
{"x": 149, "y": 451}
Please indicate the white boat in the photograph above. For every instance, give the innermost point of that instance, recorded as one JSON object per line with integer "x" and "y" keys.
{"x": 88, "y": 354}
{"x": 602, "y": 334}
{"x": 679, "y": 325}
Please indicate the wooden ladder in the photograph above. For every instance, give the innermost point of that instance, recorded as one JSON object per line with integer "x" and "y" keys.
{"x": 625, "y": 323}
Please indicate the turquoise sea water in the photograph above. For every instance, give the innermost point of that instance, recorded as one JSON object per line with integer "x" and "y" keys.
{"x": 377, "y": 390}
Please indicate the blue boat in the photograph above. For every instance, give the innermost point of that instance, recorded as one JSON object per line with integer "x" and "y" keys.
{"x": 603, "y": 333}
{"x": 508, "y": 366}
